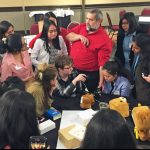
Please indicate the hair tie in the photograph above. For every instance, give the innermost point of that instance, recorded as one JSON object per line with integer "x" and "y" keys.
{"x": 40, "y": 75}
{"x": 4, "y": 40}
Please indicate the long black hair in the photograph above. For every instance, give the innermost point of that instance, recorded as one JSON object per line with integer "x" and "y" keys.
{"x": 14, "y": 43}
{"x": 12, "y": 83}
{"x": 115, "y": 68}
{"x": 141, "y": 40}
{"x": 44, "y": 36}
{"x": 17, "y": 119}
{"x": 108, "y": 130}
{"x": 145, "y": 54}
{"x": 133, "y": 24}
{"x": 48, "y": 15}
{"x": 4, "y": 26}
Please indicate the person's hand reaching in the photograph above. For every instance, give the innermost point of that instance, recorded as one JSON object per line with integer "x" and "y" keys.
{"x": 80, "y": 77}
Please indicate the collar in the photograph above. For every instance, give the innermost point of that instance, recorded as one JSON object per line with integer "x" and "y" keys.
{"x": 60, "y": 79}
{"x": 117, "y": 82}
{"x": 131, "y": 34}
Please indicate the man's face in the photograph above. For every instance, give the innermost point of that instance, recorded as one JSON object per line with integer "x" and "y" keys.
{"x": 91, "y": 22}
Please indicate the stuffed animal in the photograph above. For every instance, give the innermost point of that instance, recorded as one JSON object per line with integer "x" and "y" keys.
{"x": 141, "y": 118}
{"x": 120, "y": 105}
{"x": 87, "y": 101}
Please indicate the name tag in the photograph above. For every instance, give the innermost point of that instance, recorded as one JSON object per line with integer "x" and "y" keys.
{"x": 117, "y": 93}
{"x": 18, "y": 67}
{"x": 130, "y": 45}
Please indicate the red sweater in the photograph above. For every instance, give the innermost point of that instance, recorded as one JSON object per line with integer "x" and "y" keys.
{"x": 96, "y": 54}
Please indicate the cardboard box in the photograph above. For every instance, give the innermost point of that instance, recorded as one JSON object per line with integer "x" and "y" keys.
{"x": 85, "y": 116}
{"x": 67, "y": 139}
{"x": 46, "y": 126}
{"x": 78, "y": 132}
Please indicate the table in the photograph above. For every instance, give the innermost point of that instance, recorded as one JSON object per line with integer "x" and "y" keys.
{"x": 68, "y": 118}
{"x": 73, "y": 104}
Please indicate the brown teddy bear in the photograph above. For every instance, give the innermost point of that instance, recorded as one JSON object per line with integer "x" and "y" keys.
{"x": 120, "y": 105}
{"x": 141, "y": 118}
{"x": 87, "y": 101}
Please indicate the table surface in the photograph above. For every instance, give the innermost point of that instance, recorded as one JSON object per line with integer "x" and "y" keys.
{"x": 68, "y": 118}
{"x": 70, "y": 106}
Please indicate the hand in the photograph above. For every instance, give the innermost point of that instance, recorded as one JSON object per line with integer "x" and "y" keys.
{"x": 84, "y": 40}
{"x": 80, "y": 77}
{"x": 147, "y": 78}
{"x": 101, "y": 85}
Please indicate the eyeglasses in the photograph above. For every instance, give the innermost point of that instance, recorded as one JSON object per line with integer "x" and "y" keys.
{"x": 51, "y": 31}
{"x": 125, "y": 23}
{"x": 70, "y": 67}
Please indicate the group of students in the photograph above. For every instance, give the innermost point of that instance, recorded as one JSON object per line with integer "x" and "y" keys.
{"x": 54, "y": 75}
{"x": 107, "y": 129}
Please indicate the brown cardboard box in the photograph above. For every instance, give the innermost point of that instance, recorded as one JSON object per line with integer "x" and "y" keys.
{"x": 68, "y": 140}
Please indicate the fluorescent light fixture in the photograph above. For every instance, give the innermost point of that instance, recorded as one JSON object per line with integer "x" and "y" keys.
{"x": 144, "y": 19}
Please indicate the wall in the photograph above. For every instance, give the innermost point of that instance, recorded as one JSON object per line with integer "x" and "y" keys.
{"x": 113, "y": 12}
{"x": 113, "y": 1}
{"x": 21, "y": 20}
{"x": 14, "y": 3}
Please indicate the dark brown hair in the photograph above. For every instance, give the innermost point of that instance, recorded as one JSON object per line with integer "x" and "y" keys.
{"x": 63, "y": 60}
{"x": 46, "y": 73}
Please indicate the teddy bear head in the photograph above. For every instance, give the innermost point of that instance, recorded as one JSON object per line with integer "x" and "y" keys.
{"x": 87, "y": 101}
{"x": 141, "y": 118}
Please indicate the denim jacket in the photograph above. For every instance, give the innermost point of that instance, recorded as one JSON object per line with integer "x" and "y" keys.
{"x": 122, "y": 87}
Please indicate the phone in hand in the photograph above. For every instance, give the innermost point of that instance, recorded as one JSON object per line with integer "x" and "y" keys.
{"x": 38, "y": 142}
{"x": 144, "y": 75}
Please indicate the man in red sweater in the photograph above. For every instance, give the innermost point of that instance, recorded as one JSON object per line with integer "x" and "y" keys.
{"x": 91, "y": 48}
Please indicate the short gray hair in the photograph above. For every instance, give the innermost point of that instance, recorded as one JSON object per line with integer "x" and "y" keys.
{"x": 98, "y": 13}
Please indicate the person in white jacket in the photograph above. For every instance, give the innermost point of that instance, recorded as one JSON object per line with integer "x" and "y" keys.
{"x": 48, "y": 46}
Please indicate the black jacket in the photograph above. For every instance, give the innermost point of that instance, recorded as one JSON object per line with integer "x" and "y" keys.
{"x": 142, "y": 86}
{"x": 119, "y": 53}
{"x": 68, "y": 89}
{"x": 3, "y": 47}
